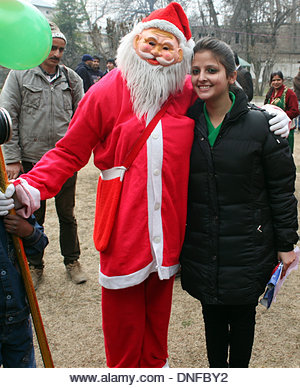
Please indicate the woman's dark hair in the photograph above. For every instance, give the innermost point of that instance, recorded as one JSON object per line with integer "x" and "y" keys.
{"x": 279, "y": 73}
{"x": 270, "y": 91}
{"x": 220, "y": 50}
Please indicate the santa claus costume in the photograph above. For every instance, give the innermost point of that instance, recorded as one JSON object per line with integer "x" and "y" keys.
{"x": 138, "y": 267}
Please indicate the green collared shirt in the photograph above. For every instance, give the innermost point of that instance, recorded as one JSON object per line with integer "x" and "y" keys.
{"x": 212, "y": 131}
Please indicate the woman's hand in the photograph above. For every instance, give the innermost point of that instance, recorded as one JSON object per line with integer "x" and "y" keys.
{"x": 287, "y": 259}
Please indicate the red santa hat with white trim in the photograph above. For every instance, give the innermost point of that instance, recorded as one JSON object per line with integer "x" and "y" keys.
{"x": 172, "y": 19}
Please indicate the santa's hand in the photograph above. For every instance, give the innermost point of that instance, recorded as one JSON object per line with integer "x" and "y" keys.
{"x": 6, "y": 201}
{"x": 280, "y": 123}
{"x": 28, "y": 198}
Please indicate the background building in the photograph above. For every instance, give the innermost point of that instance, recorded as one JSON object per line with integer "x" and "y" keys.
{"x": 45, "y": 7}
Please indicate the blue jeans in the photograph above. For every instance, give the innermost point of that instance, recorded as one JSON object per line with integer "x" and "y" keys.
{"x": 16, "y": 345}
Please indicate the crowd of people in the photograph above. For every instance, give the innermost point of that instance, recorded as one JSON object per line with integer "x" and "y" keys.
{"x": 89, "y": 70}
{"x": 176, "y": 202}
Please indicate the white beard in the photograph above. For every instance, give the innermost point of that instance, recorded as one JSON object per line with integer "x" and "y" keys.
{"x": 149, "y": 85}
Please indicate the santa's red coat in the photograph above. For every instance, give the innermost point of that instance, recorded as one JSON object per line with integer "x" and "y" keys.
{"x": 150, "y": 223}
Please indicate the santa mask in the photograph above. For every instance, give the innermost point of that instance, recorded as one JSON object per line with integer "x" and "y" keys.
{"x": 158, "y": 47}
{"x": 155, "y": 57}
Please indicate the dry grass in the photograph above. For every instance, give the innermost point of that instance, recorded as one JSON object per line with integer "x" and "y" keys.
{"x": 72, "y": 313}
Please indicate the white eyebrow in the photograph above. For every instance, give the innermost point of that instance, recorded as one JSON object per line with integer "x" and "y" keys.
{"x": 170, "y": 42}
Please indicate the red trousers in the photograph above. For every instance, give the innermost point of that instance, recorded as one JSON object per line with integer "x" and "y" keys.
{"x": 135, "y": 323}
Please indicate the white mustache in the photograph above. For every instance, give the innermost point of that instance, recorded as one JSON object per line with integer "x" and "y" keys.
{"x": 146, "y": 55}
{"x": 160, "y": 60}
{"x": 164, "y": 61}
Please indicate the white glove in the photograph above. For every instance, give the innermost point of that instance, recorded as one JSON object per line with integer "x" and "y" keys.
{"x": 6, "y": 201}
{"x": 27, "y": 198}
{"x": 280, "y": 123}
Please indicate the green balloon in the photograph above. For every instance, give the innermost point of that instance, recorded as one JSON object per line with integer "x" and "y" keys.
{"x": 25, "y": 35}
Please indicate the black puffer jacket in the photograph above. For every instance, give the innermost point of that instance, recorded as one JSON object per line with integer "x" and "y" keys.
{"x": 241, "y": 210}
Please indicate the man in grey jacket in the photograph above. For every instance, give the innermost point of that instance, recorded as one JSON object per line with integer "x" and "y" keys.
{"x": 41, "y": 102}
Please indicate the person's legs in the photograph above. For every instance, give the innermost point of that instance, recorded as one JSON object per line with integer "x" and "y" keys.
{"x": 123, "y": 323}
{"x": 65, "y": 203}
{"x": 135, "y": 322}
{"x": 242, "y": 327}
{"x": 216, "y": 334}
{"x": 17, "y": 349}
{"x": 158, "y": 311}
{"x": 69, "y": 243}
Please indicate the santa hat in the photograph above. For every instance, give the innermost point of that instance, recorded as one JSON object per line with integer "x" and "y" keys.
{"x": 171, "y": 19}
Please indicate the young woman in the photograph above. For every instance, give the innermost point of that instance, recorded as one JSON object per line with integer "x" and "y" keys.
{"x": 242, "y": 213}
{"x": 285, "y": 98}
{"x": 296, "y": 87}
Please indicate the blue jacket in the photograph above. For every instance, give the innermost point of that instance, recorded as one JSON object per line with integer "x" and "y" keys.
{"x": 13, "y": 304}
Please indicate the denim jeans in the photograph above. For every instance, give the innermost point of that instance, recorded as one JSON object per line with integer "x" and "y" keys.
{"x": 65, "y": 204}
{"x": 16, "y": 345}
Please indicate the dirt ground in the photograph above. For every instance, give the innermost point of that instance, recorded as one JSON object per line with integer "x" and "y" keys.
{"x": 72, "y": 313}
